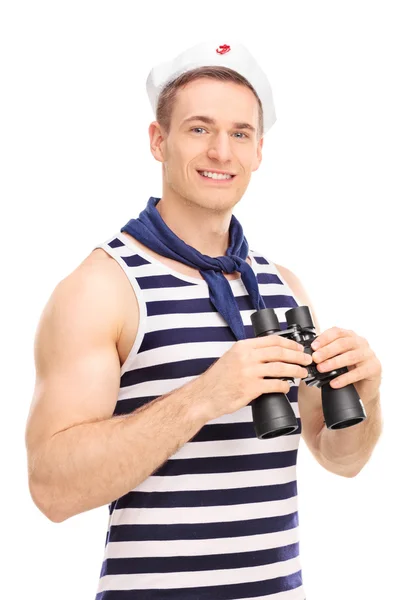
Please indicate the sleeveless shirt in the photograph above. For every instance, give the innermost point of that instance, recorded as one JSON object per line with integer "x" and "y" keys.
{"x": 219, "y": 519}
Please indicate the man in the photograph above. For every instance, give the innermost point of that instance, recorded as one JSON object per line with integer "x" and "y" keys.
{"x": 142, "y": 392}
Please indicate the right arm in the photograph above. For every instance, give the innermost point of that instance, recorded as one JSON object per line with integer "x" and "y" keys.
{"x": 79, "y": 456}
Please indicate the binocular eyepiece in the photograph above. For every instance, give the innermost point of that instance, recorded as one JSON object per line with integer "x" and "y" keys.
{"x": 273, "y": 414}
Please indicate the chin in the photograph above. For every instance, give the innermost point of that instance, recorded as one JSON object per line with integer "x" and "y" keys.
{"x": 217, "y": 202}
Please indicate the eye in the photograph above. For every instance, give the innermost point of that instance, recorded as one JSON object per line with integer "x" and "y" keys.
{"x": 240, "y": 132}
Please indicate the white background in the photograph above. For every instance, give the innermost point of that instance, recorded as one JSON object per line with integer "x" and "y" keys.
{"x": 76, "y": 166}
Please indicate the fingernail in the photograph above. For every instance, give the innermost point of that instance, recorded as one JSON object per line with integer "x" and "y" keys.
{"x": 315, "y": 344}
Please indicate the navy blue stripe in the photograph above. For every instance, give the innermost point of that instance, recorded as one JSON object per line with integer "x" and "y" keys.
{"x": 156, "y": 281}
{"x": 135, "y": 260}
{"x": 151, "y": 282}
{"x": 220, "y": 497}
{"x": 191, "y": 305}
{"x": 189, "y": 335}
{"x": 282, "y": 301}
{"x": 215, "y": 592}
{"x": 191, "y": 367}
{"x": 230, "y": 431}
{"x": 202, "y": 531}
{"x": 261, "y": 260}
{"x": 212, "y": 562}
{"x": 116, "y": 243}
{"x": 268, "y": 278}
{"x": 169, "y": 370}
{"x": 209, "y": 432}
{"x": 227, "y": 464}
{"x": 129, "y": 405}
{"x": 204, "y": 305}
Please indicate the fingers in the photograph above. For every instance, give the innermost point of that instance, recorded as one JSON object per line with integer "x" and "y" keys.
{"x": 280, "y": 369}
{"x": 276, "y": 340}
{"x": 282, "y": 354}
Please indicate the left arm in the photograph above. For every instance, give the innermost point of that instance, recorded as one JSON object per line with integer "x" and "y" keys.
{"x": 351, "y": 448}
{"x": 340, "y": 451}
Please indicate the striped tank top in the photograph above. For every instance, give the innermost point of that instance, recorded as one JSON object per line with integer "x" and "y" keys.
{"x": 218, "y": 520}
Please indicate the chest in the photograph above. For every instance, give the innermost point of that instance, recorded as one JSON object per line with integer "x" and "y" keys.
{"x": 131, "y": 317}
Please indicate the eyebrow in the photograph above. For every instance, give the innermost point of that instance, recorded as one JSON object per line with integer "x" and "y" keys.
{"x": 211, "y": 121}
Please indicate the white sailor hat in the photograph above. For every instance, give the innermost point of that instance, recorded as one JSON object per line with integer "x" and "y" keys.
{"x": 234, "y": 56}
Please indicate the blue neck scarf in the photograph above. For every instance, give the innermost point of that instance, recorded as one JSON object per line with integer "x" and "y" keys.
{"x": 150, "y": 229}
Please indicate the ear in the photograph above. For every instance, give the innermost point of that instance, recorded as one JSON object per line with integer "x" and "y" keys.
{"x": 157, "y": 141}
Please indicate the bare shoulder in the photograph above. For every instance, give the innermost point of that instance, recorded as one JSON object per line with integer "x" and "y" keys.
{"x": 108, "y": 274}
{"x": 293, "y": 281}
{"x": 76, "y": 354}
{"x": 95, "y": 284}
{"x": 309, "y": 397}
{"x": 299, "y": 291}
{"x": 288, "y": 275}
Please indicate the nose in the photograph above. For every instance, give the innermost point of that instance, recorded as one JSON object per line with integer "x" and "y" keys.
{"x": 220, "y": 148}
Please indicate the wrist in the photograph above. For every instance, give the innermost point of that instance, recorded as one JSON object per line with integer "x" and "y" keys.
{"x": 192, "y": 401}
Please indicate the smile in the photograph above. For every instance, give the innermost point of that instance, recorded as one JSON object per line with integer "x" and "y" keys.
{"x": 217, "y": 178}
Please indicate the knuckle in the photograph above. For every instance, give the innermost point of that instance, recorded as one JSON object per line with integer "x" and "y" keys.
{"x": 240, "y": 350}
{"x": 347, "y": 343}
{"x": 239, "y": 345}
{"x": 268, "y": 340}
{"x": 352, "y": 355}
{"x": 248, "y": 371}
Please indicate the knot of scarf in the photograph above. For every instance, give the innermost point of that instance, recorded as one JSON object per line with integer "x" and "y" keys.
{"x": 151, "y": 230}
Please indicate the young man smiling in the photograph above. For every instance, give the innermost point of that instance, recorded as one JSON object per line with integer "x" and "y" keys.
{"x": 146, "y": 364}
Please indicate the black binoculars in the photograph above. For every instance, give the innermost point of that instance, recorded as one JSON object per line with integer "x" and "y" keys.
{"x": 273, "y": 414}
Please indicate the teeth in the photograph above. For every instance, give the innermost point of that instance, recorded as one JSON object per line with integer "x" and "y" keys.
{"x": 215, "y": 175}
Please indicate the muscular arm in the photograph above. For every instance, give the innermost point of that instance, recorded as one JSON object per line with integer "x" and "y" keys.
{"x": 341, "y": 451}
{"x": 79, "y": 456}
{"x": 349, "y": 449}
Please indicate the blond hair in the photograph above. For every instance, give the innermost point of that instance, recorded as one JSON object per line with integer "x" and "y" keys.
{"x": 168, "y": 95}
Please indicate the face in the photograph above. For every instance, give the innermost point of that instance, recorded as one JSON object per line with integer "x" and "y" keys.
{"x": 196, "y": 145}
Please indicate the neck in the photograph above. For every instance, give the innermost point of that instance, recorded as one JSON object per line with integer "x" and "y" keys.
{"x": 205, "y": 230}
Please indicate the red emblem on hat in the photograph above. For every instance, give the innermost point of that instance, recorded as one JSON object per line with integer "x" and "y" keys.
{"x": 223, "y": 49}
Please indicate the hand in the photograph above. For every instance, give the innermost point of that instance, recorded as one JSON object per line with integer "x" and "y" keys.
{"x": 238, "y": 376}
{"x": 344, "y": 348}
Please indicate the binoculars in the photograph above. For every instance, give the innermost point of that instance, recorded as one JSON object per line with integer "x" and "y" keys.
{"x": 273, "y": 414}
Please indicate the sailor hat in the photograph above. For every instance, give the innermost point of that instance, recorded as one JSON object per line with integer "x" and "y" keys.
{"x": 235, "y": 56}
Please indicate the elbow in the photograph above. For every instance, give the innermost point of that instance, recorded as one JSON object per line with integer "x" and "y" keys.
{"x": 349, "y": 471}
{"x": 43, "y": 494}
{"x": 55, "y": 517}
{"x": 352, "y": 471}
{"x": 343, "y": 472}
{"x": 350, "y": 474}
{"x": 41, "y": 499}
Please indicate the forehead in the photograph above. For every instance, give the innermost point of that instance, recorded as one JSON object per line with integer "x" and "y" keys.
{"x": 224, "y": 100}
